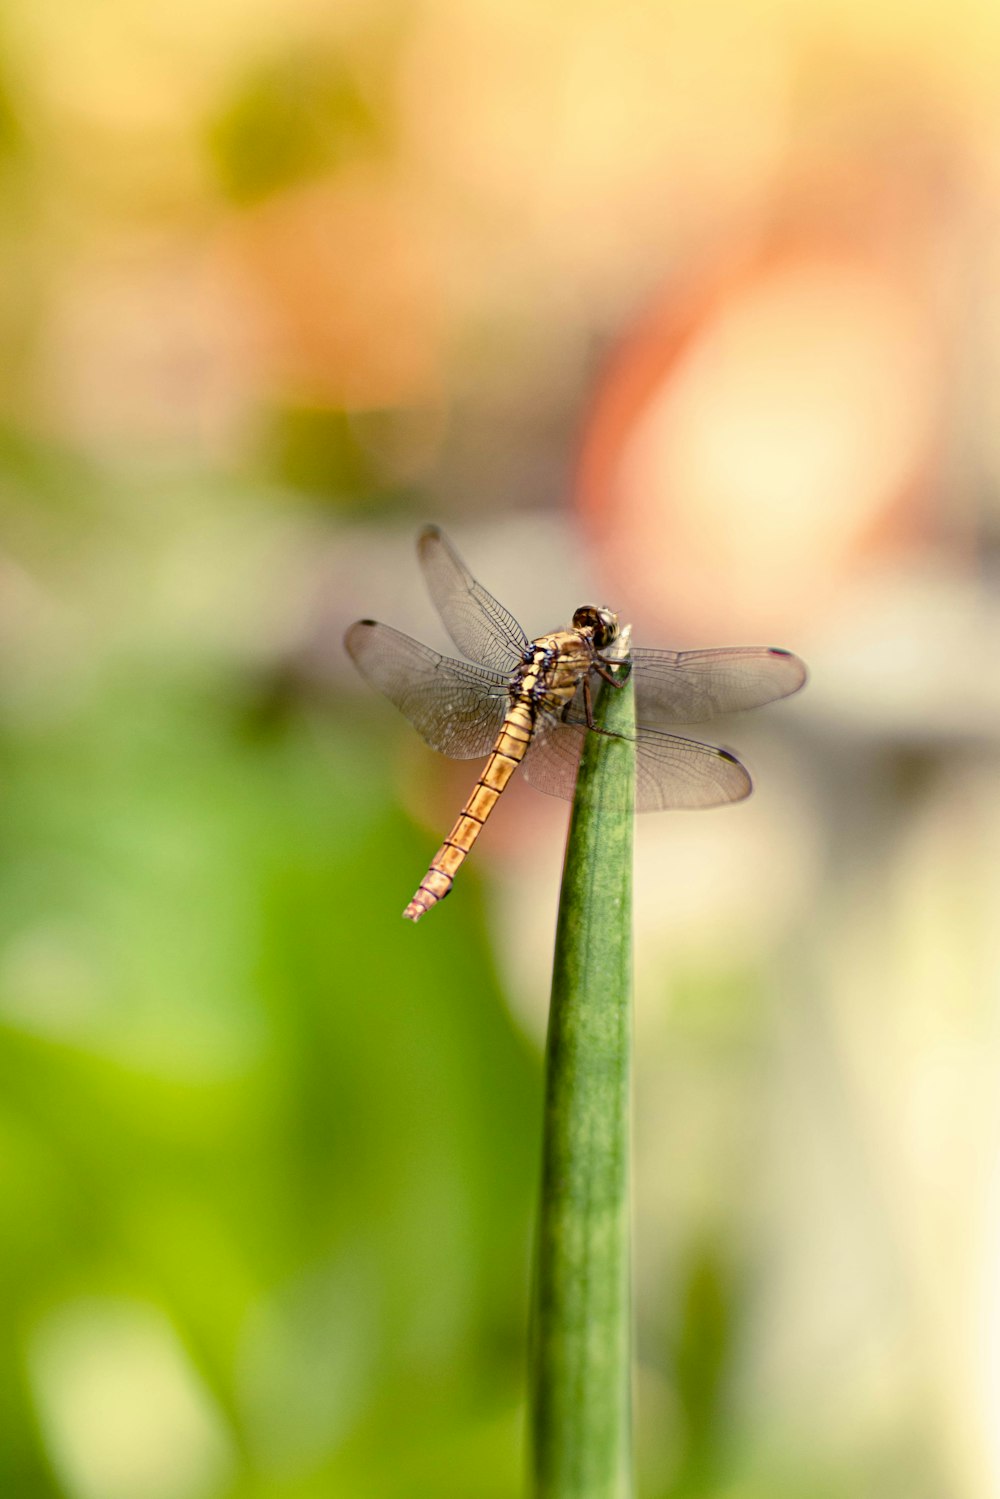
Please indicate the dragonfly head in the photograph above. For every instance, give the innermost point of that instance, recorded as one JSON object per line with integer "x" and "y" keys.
{"x": 602, "y": 623}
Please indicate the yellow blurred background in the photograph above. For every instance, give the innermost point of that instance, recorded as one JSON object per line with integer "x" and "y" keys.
{"x": 693, "y": 309}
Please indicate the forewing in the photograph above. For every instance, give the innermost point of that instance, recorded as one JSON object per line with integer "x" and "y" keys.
{"x": 670, "y": 772}
{"x": 692, "y": 686}
{"x": 457, "y": 708}
{"x": 481, "y": 627}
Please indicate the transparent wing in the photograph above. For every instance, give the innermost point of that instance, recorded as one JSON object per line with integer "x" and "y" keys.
{"x": 553, "y": 757}
{"x": 670, "y": 772}
{"x": 674, "y": 772}
{"x": 457, "y": 708}
{"x": 482, "y": 629}
{"x": 692, "y": 686}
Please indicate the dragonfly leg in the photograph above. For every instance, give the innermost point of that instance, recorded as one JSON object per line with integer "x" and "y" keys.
{"x": 588, "y": 708}
{"x": 603, "y": 666}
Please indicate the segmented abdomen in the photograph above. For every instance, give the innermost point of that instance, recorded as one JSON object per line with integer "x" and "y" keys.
{"x": 506, "y": 755}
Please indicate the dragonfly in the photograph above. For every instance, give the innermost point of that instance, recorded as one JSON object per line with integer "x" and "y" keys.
{"x": 530, "y": 703}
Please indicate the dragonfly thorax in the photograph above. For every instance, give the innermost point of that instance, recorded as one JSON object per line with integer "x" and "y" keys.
{"x": 601, "y": 624}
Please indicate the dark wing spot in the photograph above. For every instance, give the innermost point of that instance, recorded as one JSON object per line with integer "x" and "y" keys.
{"x": 776, "y": 650}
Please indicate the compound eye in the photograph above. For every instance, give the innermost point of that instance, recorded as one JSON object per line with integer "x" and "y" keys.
{"x": 602, "y": 622}
{"x": 606, "y": 629}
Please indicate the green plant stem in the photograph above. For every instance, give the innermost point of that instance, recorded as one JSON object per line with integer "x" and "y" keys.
{"x": 581, "y": 1364}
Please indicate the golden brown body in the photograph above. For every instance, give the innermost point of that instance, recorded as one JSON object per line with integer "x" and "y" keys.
{"x": 547, "y": 680}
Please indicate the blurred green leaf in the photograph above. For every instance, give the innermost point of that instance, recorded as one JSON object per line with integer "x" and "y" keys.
{"x": 321, "y": 452}
{"x": 230, "y": 1077}
{"x": 702, "y": 1357}
{"x": 297, "y": 117}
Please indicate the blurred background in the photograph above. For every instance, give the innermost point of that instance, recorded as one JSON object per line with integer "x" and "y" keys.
{"x": 693, "y": 309}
